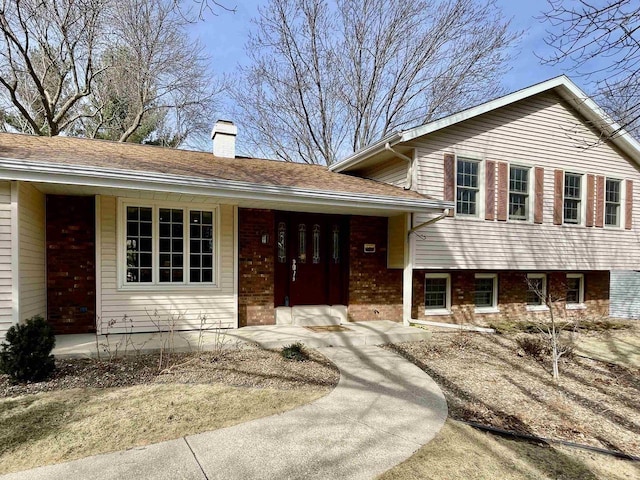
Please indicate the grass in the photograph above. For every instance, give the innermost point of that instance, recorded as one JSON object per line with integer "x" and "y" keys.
{"x": 460, "y": 451}
{"x": 63, "y": 425}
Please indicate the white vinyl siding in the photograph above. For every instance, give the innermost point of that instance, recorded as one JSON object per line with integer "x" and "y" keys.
{"x": 32, "y": 228}
{"x": 393, "y": 171}
{"x": 6, "y": 310}
{"x": 533, "y": 131}
{"x": 184, "y": 304}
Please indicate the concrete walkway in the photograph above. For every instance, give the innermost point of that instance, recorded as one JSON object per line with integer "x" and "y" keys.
{"x": 383, "y": 409}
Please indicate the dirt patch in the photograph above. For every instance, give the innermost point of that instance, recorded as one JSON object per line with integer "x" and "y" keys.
{"x": 489, "y": 380}
{"x": 245, "y": 367}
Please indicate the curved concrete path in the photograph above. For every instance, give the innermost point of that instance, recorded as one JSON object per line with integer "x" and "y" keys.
{"x": 383, "y": 409}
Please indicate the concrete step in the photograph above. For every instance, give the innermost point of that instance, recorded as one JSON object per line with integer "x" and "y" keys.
{"x": 311, "y": 315}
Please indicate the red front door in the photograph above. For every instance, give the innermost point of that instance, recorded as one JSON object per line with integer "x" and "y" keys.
{"x": 311, "y": 259}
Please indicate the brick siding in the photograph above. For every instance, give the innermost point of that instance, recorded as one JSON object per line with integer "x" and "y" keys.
{"x": 375, "y": 291}
{"x": 255, "y": 267}
{"x": 71, "y": 281}
{"x": 512, "y": 291}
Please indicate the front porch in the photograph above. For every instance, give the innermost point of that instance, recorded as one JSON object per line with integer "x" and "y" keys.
{"x": 377, "y": 332}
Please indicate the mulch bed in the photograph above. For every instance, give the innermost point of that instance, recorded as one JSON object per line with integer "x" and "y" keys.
{"x": 242, "y": 367}
{"x": 488, "y": 379}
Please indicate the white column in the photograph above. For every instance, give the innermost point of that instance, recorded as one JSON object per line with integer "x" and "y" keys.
{"x": 407, "y": 274}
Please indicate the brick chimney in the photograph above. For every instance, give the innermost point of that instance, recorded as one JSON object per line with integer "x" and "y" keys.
{"x": 224, "y": 139}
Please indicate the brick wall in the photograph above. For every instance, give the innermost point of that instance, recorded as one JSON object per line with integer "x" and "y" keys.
{"x": 255, "y": 267}
{"x": 375, "y": 292}
{"x": 512, "y": 290}
{"x": 71, "y": 281}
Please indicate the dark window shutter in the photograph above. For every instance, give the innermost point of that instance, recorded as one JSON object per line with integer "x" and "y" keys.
{"x": 628, "y": 211}
{"x": 599, "y": 201}
{"x": 503, "y": 191}
{"x": 449, "y": 179}
{"x": 490, "y": 191}
{"x": 558, "y": 177}
{"x": 590, "y": 200}
{"x": 539, "y": 195}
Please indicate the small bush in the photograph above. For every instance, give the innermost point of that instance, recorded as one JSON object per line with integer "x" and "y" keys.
{"x": 26, "y": 355}
{"x": 535, "y": 347}
{"x": 295, "y": 351}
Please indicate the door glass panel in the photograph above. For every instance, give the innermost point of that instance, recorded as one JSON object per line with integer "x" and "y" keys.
{"x": 316, "y": 243}
{"x": 282, "y": 242}
{"x": 335, "y": 237}
{"x": 302, "y": 243}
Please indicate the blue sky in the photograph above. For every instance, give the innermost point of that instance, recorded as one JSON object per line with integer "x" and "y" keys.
{"x": 225, "y": 35}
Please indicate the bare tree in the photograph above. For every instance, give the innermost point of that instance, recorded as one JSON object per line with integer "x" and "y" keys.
{"x": 123, "y": 70}
{"x": 601, "y": 42}
{"x": 156, "y": 86}
{"x": 327, "y": 78}
{"x": 47, "y": 60}
{"x": 553, "y": 328}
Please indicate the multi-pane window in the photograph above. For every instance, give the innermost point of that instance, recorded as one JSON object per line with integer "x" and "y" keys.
{"x": 467, "y": 186}
{"x": 536, "y": 289}
{"x": 572, "y": 197}
{"x": 436, "y": 292}
{"x": 485, "y": 290}
{"x": 200, "y": 246}
{"x": 168, "y": 245}
{"x": 612, "y": 203}
{"x": 139, "y": 245}
{"x": 518, "y": 193}
{"x": 575, "y": 289}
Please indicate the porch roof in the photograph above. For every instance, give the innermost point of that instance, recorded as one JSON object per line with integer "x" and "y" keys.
{"x": 78, "y": 161}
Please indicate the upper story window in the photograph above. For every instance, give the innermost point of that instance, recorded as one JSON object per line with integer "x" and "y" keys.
{"x": 467, "y": 186}
{"x": 518, "y": 193}
{"x": 572, "y": 198}
{"x": 167, "y": 245}
{"x": 612, "y": 203}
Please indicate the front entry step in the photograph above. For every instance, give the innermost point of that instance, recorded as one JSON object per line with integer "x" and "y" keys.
{"x": 311, "y": 315}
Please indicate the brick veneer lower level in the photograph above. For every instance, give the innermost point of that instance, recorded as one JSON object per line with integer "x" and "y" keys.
{"x": 512, "y": 291}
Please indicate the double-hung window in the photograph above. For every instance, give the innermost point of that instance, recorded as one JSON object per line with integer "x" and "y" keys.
{"x": 612, "y": 203}
{"x": 486, "y": 292}
{"x": 168, "y": 246}
{"x": 572, "y": 198}
{"x": 536, "y": 290}
{"x": 575, "y": 290}
{"x": 467, "y": 186}
{"x": 437, "y": 293}
{"x": 518, "y": 193}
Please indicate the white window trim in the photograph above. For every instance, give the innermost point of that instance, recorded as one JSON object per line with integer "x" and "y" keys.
{"x": 480, "y": 205}
{"x": 439, "y": 311}
{"x": 531, "y": 191}
{"x": 543, "y": 276}
{"x": 622, "y": 210}
{"x": 494, "y": 307}
{"x": 583, "y": 198}
{"x": 155, "y": 285}
{"x": 580, "y": 305}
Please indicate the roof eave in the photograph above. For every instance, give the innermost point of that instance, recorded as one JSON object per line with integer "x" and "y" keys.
{"x": 44, "y": 172}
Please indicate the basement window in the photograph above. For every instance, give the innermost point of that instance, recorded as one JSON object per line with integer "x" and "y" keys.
{"x": 437, "y": 294}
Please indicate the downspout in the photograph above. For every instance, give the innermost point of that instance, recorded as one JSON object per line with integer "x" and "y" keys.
{"x": 409, "y": 181}
{"x": 407, "y": 274}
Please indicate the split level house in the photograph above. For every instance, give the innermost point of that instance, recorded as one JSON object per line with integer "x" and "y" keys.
{"x": 455, "y": 221}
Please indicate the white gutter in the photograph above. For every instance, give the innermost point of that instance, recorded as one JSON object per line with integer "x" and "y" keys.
{"x": 44, "y": 172}
{"x": 429, "y": 222}
{"x": 401, "y": 156}
{"x": 367, "y": 152}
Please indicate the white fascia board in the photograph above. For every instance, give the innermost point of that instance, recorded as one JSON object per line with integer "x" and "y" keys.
{"x": 567, "y": 89}
{"x": 44, "y": 172}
